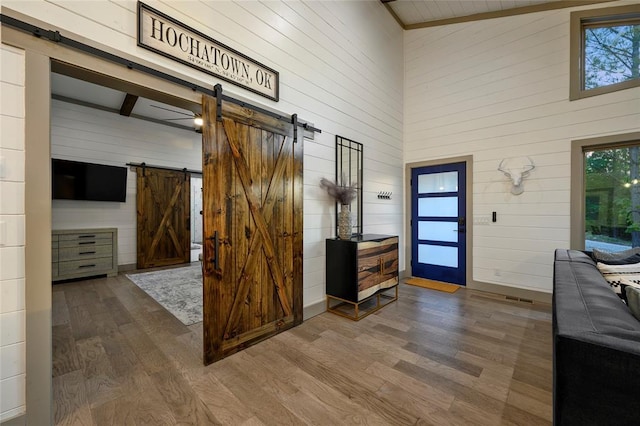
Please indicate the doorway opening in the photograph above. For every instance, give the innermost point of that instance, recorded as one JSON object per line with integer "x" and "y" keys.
{"x": 196, "y": 218}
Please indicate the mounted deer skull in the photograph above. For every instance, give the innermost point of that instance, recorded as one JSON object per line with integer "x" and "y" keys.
{"x": 517, "y": 175}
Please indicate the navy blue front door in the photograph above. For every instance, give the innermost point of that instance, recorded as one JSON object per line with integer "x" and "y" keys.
{"x": 438, "y": 223}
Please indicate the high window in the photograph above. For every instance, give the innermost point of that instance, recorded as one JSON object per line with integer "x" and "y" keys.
{"x": 605, "y": 50}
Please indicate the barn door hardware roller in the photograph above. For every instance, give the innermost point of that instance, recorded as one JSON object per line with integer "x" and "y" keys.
{"x": 218, "y": 91}
{"x": 294, "y": 121}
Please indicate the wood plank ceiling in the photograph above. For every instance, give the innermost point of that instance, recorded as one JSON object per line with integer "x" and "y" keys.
{"x": 413, "y": 14}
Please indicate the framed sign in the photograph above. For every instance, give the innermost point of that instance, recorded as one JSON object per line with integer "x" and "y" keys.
{"x": 168, "y": 37}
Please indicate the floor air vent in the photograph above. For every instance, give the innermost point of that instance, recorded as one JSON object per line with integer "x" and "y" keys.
{"x": 519, "y": 299}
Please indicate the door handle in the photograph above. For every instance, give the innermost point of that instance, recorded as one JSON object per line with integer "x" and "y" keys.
{"x": 461, "y": 224}
{"x": 215, "y": 259}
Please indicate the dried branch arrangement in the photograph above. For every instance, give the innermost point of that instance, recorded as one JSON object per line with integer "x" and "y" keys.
{"x": 342, "y": 194}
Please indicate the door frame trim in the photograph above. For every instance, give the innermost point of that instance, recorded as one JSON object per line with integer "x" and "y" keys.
{"x": 468, "y": 160}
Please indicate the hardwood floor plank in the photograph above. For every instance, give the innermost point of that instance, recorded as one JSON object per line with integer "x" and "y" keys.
{"x": 123, "y": 359}
{"x": 65, "y": 356}
{"x": 461, "y": 392}
{"x": 515, "y": 416}
{"x": 220, "y": 401}
{"x": 59, "y": 307}
{"x": 151, "y": 358}
{"x": 533, "y": 392}
{"x": 530, "y": 405}
{"x": 80, "y": 319}
{"x": 467, "y": 413}
{"x": 430, "y": 395}
{"x": 185, "y": 406}
{"x": 444, "y": 357}
{"x": 140, "y": 404}
{"x": 118, "y": 312}
{"x": 100, "y": 379}
{"x": 262, "y": 404}
{"x": 70, "y": 404}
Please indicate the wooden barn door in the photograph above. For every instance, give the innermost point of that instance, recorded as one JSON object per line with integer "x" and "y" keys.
{"x": 252, "y": 197}
{"x": 163, "y": 207}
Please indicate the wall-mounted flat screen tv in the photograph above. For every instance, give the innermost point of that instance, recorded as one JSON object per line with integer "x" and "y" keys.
{"x": 74, "y": 180}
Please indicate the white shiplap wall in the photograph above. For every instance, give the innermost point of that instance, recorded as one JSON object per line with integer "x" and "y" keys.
{"x": 12, "y": 234}
{"x": 85, "y": 134}
{"x": 499, "y": 89}
{"x": 341, "y": 67}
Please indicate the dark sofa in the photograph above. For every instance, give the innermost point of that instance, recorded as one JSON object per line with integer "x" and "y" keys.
{"x": 596, "y": 347}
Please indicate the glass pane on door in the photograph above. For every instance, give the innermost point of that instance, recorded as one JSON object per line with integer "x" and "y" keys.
{"x": 438, "y": 182}
{"x": 438, "y": 206}
{"x": 438, "y": 231}
{"x": 438, "y": 255}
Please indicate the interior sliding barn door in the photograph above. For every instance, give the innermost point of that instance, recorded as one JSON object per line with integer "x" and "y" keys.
{"x": 163, "y": 208}
{"x": 252, "y": 196}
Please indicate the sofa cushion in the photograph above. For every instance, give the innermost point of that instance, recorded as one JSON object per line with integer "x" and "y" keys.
{"x": 620, "y": 276}
{"x": 633, "y": 301}
{"x": 602, "y": 255}
{"x": 635, "y": 258}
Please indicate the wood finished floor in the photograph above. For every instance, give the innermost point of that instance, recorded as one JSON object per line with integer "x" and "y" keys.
{"x": 465, "y": 358}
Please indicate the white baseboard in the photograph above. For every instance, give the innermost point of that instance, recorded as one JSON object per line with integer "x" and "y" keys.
{"x": 313, "y": 310}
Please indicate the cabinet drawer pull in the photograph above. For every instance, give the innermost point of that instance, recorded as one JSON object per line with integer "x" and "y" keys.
{"x": 86, "y": 242}
{"x": 87, "y": 252}
{"x": 87, "y": 266}
{"x": 86, "y": 236}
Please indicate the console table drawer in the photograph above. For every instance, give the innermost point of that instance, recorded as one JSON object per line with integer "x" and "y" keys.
{"x": 88, "y": 266}
{"x": 85, "y": 236}
{"x": 85, "y": 242}
{"x": 85, "y": 252}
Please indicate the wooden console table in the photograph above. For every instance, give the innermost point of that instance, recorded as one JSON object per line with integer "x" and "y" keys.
{"x": 361, "y": 272}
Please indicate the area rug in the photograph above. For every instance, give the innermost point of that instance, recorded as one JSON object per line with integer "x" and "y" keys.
{"x": 178, "y": 290}
{"x": 433, "y": 285}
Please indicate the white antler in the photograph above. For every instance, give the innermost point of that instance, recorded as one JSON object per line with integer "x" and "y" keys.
{"x": 528, "y": 167}
{"x": 500, "y": 168}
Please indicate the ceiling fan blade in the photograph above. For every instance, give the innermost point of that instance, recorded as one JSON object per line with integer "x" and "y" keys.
{"x": 172, "y": 110}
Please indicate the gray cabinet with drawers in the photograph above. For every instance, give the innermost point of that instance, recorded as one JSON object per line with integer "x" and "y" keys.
{"x": 78, "y": 253}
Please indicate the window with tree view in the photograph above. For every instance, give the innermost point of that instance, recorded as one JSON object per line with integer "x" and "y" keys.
{"x": 612, "y": 54}
{"x": 612, "y": 198}
{"x": 608, "y": 48}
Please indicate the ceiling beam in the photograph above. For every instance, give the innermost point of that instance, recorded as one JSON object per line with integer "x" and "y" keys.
{"x": 128, "y": 104}
{"x": 541, "y": 7}
{"x": 115, "y": 111}
{"x": 393, "y": 13}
